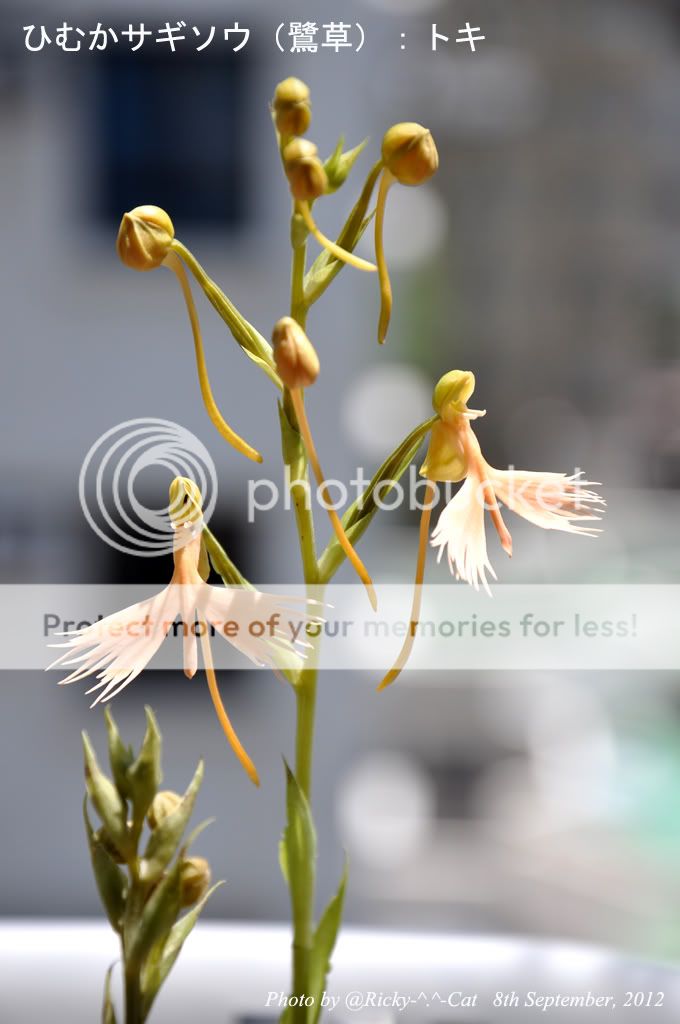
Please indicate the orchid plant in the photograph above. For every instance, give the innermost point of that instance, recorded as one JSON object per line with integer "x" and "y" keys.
{"x": 147, "y": 241}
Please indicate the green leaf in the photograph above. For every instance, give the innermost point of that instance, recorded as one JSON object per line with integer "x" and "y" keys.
{"x": 165, "y": 839}
{"x": 120, "y": 756}
{"x": 339, "y": 164}
{"x": 157, "y": 918}
{"x": 359, "y": 515}
{"x": 195, "y": 833}
{"x": 108, "y": 1012}
{"x": 324, "y": 943}
{"x": 106, "y": 799}
{"x": 292, "y": 445}
{"x": 299, "y": 840}
{"x": 173, "y": 946}
{"x": 246, "y": 336}
{"x": 222, "y": 564}
{"x": 145, "y": 775}
{"x": 111, "y": 881}
{"x": 326, "y": 266}
{"x": 283, "y": 858}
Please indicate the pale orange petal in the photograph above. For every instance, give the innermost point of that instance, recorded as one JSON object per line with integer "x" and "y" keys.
{"x": 553, "y": 501}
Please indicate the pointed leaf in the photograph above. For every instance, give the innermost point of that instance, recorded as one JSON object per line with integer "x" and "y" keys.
{"x": 222, "y": 564}
{"x": 166, "y": 837}
{"x": 299, "y": 838}
{"x": 250, "y": 340}
{"x": 120, "y": 756}
{"x": 157, "y": 918}
{"x": 359, "y": 515}
{"x": 325, "y": 267}
{"x": 283, "y": 858}
{"x": 292, "y": 445}
{"x": 324, "y": 944}
{"x": 108, "y": 1012}
{"x": 179, "y": 933}
{"x": 106, "y": 799}
{"x": 144, "y": 774}
{"x": 111, "y": 881}
{"x": 339, "y": 164}
{"x": 195, "y": 833}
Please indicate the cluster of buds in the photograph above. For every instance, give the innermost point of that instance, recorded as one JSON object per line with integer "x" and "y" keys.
{"x": 308, "y": 176}
{"x": 408, "y": 157}
{"x": 142, "y": 829}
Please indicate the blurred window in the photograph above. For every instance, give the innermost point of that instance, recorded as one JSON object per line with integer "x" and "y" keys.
{"x": 172, "y": 130}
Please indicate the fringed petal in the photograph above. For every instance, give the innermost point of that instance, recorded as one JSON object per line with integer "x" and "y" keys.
{"x": 121, "y": 645}
{"x": 460, "y": 531}
{"x": 553, "y": 501}
{"x": 281, "y": 622}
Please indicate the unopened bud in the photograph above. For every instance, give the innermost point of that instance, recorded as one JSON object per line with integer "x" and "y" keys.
{"x": 295, "y": 357}
{"x": 163, "y": 805}
{"x": 409, "y": 153}
{"x": 194, "y": 880}
{"x": 144, "y": 237}
{"x": 304, "y": 170}
{"x": 452, "y": 391}
{"x": 291, "y": 106}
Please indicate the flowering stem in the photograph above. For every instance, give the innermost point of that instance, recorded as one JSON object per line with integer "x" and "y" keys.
{"x": 134, "y": 1008}
{"x": 133, "y": 997}
{"x": 305, "y": 690}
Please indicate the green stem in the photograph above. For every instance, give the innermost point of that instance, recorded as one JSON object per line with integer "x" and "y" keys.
{"x": 133, "y": 996}
{"x": 306, "y": 706}
{"x": 134, "y": 1006}
{"x": 298, "y": 307}
{"x": 305, "y": 691}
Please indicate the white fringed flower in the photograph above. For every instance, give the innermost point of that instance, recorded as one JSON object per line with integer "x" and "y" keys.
{"x": 553, "y": 501}
{"x": 118, "y": 648}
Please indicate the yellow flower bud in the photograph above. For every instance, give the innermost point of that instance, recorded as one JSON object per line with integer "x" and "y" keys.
{"x": 164, "y": 804}
{"x": 409, "y": 153}
{"x": 194, "y": 880}
{"x": 144, "y": 237}
{"x": 452, "y": 392}
{"x": 304, "y": 170}
{"x": 291, "y": 106}
{"x": 296, "y": 360}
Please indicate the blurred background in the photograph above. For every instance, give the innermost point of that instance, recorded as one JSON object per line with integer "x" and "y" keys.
{"x": 544, "y": 256}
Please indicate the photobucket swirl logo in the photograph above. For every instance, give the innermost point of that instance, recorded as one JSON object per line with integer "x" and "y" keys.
{"x": 118, "y": 474}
